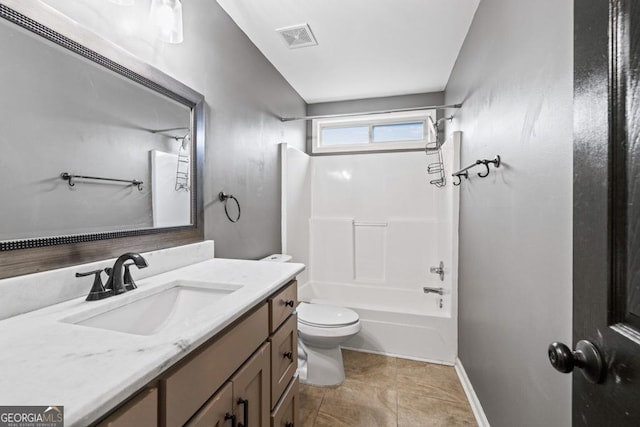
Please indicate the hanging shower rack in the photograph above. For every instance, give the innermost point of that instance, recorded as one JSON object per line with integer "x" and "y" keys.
{"x": 433, "y": 151}
{"x": 485, "y": 162}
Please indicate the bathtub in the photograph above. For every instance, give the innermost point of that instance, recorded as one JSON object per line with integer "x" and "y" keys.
{"x": 396, "y": 322}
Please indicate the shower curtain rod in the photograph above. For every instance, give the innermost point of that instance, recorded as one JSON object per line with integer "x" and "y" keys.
{"x": 395, "y": 110}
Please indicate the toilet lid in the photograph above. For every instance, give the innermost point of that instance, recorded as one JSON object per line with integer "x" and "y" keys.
{"x": 325, "y": 315}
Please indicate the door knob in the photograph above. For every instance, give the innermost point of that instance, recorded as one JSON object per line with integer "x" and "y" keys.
{"x": 586, "y": 357}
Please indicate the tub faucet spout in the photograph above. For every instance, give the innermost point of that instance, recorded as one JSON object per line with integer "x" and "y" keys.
{"x": 427, "y": 290}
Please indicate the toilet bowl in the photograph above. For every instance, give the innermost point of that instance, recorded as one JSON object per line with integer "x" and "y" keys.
{"x": 321, "y": 330}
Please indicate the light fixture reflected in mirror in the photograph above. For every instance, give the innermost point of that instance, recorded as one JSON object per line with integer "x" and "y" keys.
{"x": 166, "y": 17}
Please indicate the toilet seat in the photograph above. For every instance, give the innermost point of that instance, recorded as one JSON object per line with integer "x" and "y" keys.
{"x": 326, "y": 315}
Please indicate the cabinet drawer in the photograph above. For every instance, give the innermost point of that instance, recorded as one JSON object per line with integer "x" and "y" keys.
{"x": 141, "y": 411}
{"x": 282, "y": 304}
{"x": 286, "y": 413}
{"x": 188, "y": 387}
{"x": 216, "y": 412}
{"x": 284, "y": 357}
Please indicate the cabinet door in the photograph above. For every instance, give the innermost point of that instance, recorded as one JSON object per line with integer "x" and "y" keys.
{"x": 251, "y": 390}
{"x": 286, "y": 413}
{"x": 217, "y": 412}
{"x": 141, "y": 411}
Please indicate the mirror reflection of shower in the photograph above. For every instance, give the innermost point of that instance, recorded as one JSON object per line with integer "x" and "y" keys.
{"x": 183, "y": 158}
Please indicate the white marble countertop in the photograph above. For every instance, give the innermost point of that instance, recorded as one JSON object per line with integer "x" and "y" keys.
{"x": 89, "y": 371}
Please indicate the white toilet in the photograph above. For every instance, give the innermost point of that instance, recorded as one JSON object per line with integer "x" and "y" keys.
{"x": 321, "y": 330}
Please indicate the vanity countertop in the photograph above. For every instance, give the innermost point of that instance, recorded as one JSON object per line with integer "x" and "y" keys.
{"x": 89, "y": 371}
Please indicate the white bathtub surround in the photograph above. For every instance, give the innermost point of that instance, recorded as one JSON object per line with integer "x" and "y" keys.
{"x": 397, "y": 323}
{"x": 22, "y": 294}
{"x": 476, "y": 407}
{"x": 91, "y": 370}
{"x": 296, "y": 205}
{"x": 374, "y": 228}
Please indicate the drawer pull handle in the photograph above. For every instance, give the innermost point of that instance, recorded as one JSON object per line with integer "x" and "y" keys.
{"x": 289, "y": 424}
{"x": 287, "y": 355}
{"x": 228, "y": 417}
{"x": 245, "y": 411}
{"x": 289, "y": 303}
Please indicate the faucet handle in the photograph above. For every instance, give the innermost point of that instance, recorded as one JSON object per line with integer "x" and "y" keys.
{"x": 129, "y": 284}
{"x": 97, "y": 291}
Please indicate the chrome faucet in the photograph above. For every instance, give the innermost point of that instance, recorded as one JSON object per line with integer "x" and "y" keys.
{"x": 116, "y": 276}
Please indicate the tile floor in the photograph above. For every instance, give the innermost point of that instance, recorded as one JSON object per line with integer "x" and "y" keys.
{"x": 387, "y": 391}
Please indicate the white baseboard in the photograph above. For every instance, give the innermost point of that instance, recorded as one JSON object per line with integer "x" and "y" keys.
{"x": 478, "y": 412}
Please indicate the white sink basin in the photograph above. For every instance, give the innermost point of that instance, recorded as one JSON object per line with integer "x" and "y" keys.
{"x": 155, "y": 310}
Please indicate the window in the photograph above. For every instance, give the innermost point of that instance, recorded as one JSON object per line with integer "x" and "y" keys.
{"x": 376, "y": 132}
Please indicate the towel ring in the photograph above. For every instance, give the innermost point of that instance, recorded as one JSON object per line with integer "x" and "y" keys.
{"x": 224, "y": 198}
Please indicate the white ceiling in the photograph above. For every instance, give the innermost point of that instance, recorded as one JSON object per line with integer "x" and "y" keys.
{"x": 366, "y": 48}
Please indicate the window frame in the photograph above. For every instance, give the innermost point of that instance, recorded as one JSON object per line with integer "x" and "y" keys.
{"x": 372, "y": 120}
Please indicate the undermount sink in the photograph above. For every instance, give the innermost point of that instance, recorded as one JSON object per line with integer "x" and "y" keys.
{"x": 156, "y": 310}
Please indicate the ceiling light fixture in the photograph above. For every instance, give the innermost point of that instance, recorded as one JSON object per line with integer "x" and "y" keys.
{"x": 166, "y": 17}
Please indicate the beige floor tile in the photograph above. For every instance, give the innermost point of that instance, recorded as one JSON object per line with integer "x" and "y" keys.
{"x": 420, "y": 410}
{"x": 310, "y": 400}
{"x": 356, "y": 404}
{"x": 372, "y": 369}
{"x": 432, "y": 380}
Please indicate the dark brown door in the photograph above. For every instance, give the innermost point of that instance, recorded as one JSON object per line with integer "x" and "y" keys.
{"x": 606, "y": 272}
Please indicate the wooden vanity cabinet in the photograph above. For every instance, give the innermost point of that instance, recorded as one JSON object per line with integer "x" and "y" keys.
{"x": 217, "y": 412}
{"x": 285, "y": 413}
{"x": 247, "y": 370}
{"x": 251, "y": 386}
{"x": 282, "y": 304}
{"x": 284, "y": 357}
{"x": 190, "y": 385}
{"x": 140, "y": 411}
{"x": 283, "y": 325}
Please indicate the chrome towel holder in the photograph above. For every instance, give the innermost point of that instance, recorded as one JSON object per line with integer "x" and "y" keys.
{"x": 225, "y": 198}
{"x": 485, "y": 162}
{"x": 70, "y": 178}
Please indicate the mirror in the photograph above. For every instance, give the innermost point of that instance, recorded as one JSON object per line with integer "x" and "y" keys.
{"x": 91, "y": 149}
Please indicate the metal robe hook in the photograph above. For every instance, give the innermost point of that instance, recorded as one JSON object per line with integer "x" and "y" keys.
{"x": 485, "y": 162}
{"x": 486, "y": 165}
{"x": 458, "y": 175}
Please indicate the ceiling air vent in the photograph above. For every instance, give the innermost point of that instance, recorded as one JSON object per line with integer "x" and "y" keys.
{"x": 298, "y": 36}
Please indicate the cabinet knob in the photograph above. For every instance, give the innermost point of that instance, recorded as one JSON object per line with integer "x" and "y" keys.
{"x": 287, "y": 355}
{"x": 289, "y": 303}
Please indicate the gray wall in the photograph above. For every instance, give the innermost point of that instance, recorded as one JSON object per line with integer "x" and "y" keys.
{"x": 514, "y": 75}
{"x": 371, "y": 104}
{"x": 245, "y": 97}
